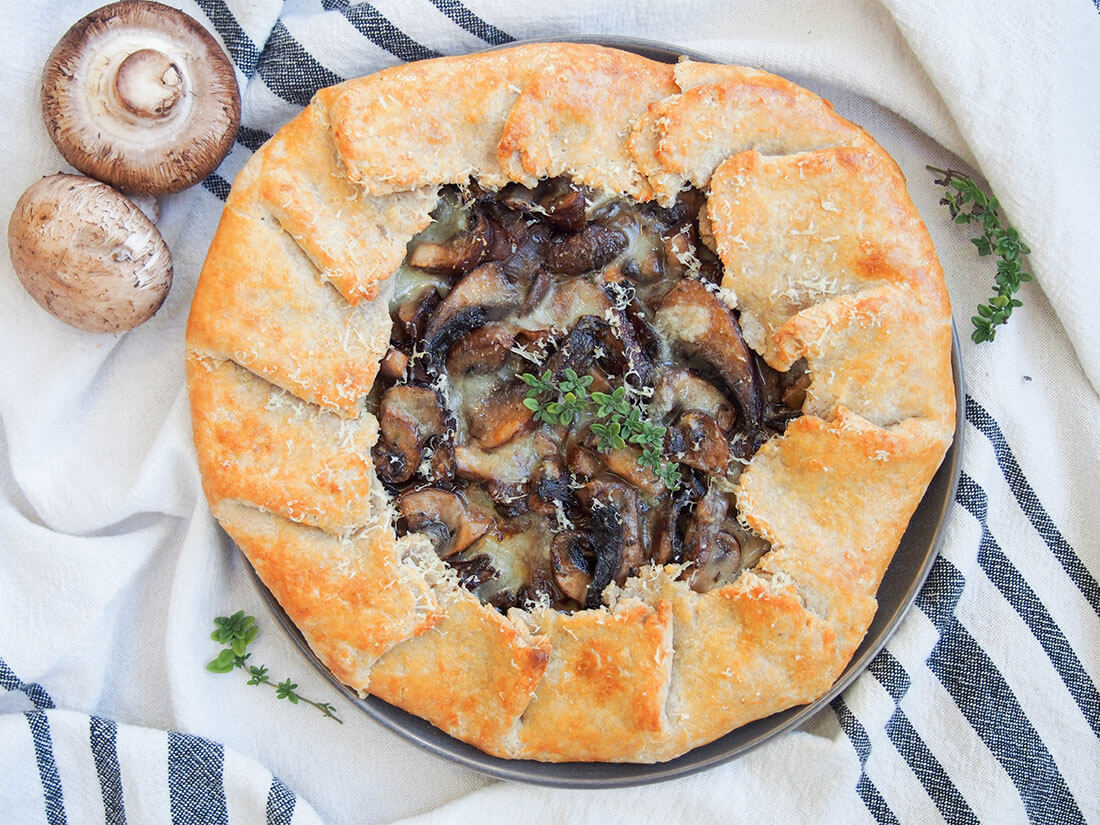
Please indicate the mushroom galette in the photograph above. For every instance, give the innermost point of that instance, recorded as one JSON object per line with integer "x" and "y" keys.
{"x": 572, "y": 401}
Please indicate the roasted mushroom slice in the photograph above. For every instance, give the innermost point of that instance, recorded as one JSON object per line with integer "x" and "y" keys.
{"x": 474, "y": 571}
{"x": 483, "y": 350}
{"x": 413, "y": 313}
{"x": 585, "y": 251}
{"x": 721, "y": 562}
{"x": 607, "y": 492}
{"x": 500, "y": 416}
{"x": 624, "y": 463}
{"x": 583, "y": 463}
{"x": 482, "y": 296}
{"x": 550, "y": 490}
{"x": 578, "y": 347}
{"x": 518, "y": 198}
{"x": 565, "y": 302}
{"x": 525, "y": 262}
{"x": 668, "y": 545}
{"x": 565, "y": 205}
{"x": 681, "y": 390}
{"x": 710, "y": 542}
{"x": 445, "y": 518}
{"x": 701, "y": 325}
{"x": 607, "y": 540}
{"x": 511, "y": 463}
{"x": 569, "y": 565}
{"x": 627, "y": 355}
{"x": 393, "y": 364}
{"x": 459, "y": 254}
{"x": 698, "y": 441}
{"x": 408, "y": 416}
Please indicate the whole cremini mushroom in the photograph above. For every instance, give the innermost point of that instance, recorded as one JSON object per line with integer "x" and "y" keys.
{"x": 139, "y": 95}
{"x": 87, "y": 254}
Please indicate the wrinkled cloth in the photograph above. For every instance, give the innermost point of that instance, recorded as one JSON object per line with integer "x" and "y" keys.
{"x": 983, "y": 707}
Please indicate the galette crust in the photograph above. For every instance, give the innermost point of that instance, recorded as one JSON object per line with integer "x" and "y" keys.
{"x": 258, "y": 286}
{"x": 352, "y": 597}
{"x": 353, "y": 238}
{"x": 830, "y": 264}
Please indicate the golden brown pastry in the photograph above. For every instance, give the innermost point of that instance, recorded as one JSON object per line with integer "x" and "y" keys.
{"x": 742, "y": 266}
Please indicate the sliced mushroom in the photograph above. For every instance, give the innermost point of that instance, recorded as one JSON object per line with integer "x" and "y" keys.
{"x": 793, "y": 385}
{"x": 441, "y": 466}
{"x": 692, "y": 317}
{"x": 607, "y": 540}
{"x": 141, "y": 96}
{"x": 510, "y": 498}
{"x": 585, "y": 251}
{"x": 550, "y": 488}
{"x": 710, "y": 542}
{"x": 624, "y": 463}
{"x": 459, "y": 254}
{"x": 483, "y": 350}
{"x": 679, "y": 248}
{"x": 626, "y": 353}
{"x": 393, "y": 364}
{"x": 565, "y": 302}
{"x": 445, "y": 518}
{"x": 482, "y": 296}
{"x": 577, "y": 349}
{"x": 565, "y": 206}
{"x": 679, "y": 390}
{"x": 698, "y": 441}
{"x": 668, "y": 543}
{"x": 474, "y": 571}
{"x": 583, "y": 462}
{"x": 88, "y": 255}
{"x": 415, "y": 311}
{"x": 539, "y": 589}
{"x": 518, "y": 198}
{"x": 722, "y": 562}
{"x": 526, "y": 260}
{"x": 605, "y": 492}
{"x": 511, "y": 463}
{"x": 500, "y": 416}
{"x": 569, "y": 565}
{"x": 407, "y": 417}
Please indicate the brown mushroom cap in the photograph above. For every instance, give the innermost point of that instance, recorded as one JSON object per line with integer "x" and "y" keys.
{"x": 141, "y": 96}
{"x": 88, "y": 255}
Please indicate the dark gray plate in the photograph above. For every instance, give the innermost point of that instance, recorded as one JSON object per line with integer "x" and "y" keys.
{"x": 902, "y": 582}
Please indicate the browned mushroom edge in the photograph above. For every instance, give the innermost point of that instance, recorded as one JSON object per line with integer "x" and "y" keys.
{"x": 551, "y": 279}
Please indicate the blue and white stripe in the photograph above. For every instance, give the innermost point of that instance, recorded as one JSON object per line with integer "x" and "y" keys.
{"x": 89, "y": 769}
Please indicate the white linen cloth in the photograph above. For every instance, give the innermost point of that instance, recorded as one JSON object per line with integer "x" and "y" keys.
{"x": 984, "y": 706}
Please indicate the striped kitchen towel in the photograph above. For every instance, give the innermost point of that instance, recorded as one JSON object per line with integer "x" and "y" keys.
{"x": 64, "y": 768}
{"x": 983, "y": 707}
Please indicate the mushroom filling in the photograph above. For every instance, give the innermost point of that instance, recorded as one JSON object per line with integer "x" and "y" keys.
{"x": 567, "y": 396}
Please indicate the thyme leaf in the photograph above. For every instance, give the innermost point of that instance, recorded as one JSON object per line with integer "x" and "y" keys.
{"x": 619, "y": 422}
{"x": 967, "y": 203}
{"x": 236, "y": 632}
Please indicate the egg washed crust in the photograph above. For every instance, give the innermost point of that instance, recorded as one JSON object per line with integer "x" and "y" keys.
{"x": 830, "y": 263}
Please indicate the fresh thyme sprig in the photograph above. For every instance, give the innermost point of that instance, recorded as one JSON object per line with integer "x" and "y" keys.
{"x": 236, "y": 632}
{"x": 620, "y": 423}
{"x": 961, "y": 193}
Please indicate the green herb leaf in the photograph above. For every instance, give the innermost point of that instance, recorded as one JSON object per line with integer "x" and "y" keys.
{"x": 996, "y": 238}
{"x": 236, "y": 632}
{"x": 225, "y": 662}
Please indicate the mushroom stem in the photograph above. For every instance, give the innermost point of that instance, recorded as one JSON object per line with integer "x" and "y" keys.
{"x": 148, "y": 84}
